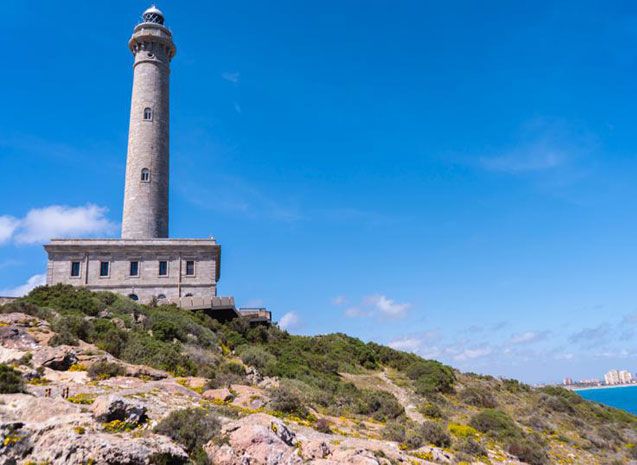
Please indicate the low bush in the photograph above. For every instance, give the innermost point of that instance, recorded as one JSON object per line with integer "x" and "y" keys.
{"x": 434, "y": 433}
{"x": 66, "y": 299}
{"x": 472, "y": 447}
{"x": 323, "y": 426}
{"x": 394, "y": 431}
{"x": 531, "y": 450}
{"x": 478, "y": 396}
{"x": 226, "y": 374}
{"x": 10, "y": 380}
{"x": 380, "y": 405}
{"x": 430, "y": 377}
{"x": 431, "y": 410}
{"x": 496, "y": 423}
{"x": 192, "y": 428}
{"x": 143, "y": 349}
{"x": 288, "y": 400}
{"x": 256, "y": 356}
{"x": 105, "y": 370}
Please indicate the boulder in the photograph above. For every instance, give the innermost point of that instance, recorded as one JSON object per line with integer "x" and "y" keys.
{"x": 140, "y": 371}
{"x": 57, "y": 358}
{"x": 110, "y": 408}
{"x": 223, "y": 395}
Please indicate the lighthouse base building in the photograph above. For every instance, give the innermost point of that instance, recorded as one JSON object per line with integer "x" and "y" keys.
{"x": 147, "y": 265}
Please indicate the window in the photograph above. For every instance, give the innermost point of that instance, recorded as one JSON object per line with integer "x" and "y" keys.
{"x": 161, "y": 297}
{"x": 188, "y": 295}
{"x": 148, "y": 114}
{"x": 145, "y": 175}
{"x": 190, "y": 268}
{"x": 163, "y": 268}
{"x": 104, "y": 268}
{"x": 133, "y": 297}
{"x": 75, "y": 269}
{"x": 134, "y": 268}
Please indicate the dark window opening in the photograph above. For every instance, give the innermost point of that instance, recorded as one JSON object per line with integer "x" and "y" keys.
{"x": 163, "y": 268}
{"x": 190, "y": 268}
{"x": 75, "y": 269}
{"x": 145, "y": 175}
{"x": 134, "y": 268}
{"x": 104, "y": 268}
{"x": 133, "y": 297}
{"x": 188, "y": 295}
{"x": 148, "y": 114}
{"x": 161, "y": 297}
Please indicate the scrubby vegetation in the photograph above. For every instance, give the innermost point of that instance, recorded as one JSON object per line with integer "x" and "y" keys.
{"x": 192, "y": 428}
{"x": 10, "y": 380}
{"x": 318, "y": 375}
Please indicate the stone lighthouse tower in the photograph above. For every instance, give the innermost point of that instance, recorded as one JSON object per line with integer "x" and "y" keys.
{"x": 146, "y": 265}
{"x": 147, "y": 164}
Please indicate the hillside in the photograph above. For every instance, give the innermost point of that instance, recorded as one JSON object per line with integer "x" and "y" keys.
{"x": 92, "y": 378}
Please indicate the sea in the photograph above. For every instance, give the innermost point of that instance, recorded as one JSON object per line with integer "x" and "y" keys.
{"x": 623, "y": 397}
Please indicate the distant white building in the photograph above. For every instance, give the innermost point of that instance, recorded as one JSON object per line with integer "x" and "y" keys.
{"x": 614, "y": 377}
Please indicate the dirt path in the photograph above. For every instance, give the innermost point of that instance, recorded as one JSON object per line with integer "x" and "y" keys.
{"x": 404, "y": 397}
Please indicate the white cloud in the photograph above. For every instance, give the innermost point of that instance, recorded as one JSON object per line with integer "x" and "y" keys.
{"x": 33, "y": 282}
{"x": 527, "y": 337}
{"x": 408, "y": 344}
{"x": 339, "y": 300}
{"x": 57, "y": 221}
{"x": 8, "y": 225}
{"x": 388, "y": 307}
{"x": 231, "y": 77}
{"x": 471, "y": 354}
{"x": 355, "y": 312}
{"x": 289, "y": 320}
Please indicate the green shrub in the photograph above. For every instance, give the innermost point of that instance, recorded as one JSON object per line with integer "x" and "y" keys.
{"x": 478, "y": 397}
{"x": 472, "y": 447}
{"x": 256, "y": 356}
{"x": 382, "y": 406}
{"x": 20, "y": 306}
{"x": 226, "y": 374}
{"x": 105, "y": 370}
{"x": 322, "y": 425}
{"x": 514, "y": 386}
{"x": 430, "y": 377}
{"x": 192, "y": 428}
{"x": 65, "y": 298}
{"x": 10, "y": 380}
{"x": 70, "y": 329}
{"x": 143, "y": 349}
{"x": 434, "y": 433}
{"x": 394, "y": 431}
{"x": 431, "y": 410}
{"x": 531, "y": 450}
{"x": 288, "y": 400}
{"x": 495, "y": 423}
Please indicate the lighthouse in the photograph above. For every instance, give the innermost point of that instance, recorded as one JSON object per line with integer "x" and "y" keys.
{"x": 148, "y": 158}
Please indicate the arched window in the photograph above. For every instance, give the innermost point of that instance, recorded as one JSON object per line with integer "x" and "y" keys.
{"x": 145, "y": 175}
{"x": 133, "y": 297}
{"x": 148, "y": 114}
{"x": 188, "y": 295}
{"x": 161, "y": 297}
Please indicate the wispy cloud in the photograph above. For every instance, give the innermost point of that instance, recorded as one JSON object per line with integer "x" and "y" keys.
{"x": 232, "y": 77}
{"x": 8, "y": 225}
{"x": 56, "y": 221}
{"x": 23, "y": 289}
{"x": 380, "y": 306}
{"x": 289, "y": 321}
{"x": 528, "y": 337}
{"x": 339, "y": 300}
{"x": 542, "y": 145}
{"x": 387, "y": 306}
{"x": 591, "y": 337}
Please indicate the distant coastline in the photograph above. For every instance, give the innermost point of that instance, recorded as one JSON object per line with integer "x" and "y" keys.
{"x": 603, "y": 386}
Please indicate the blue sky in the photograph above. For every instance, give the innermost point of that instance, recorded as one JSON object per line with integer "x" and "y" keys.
{"x": 452, "y": 178}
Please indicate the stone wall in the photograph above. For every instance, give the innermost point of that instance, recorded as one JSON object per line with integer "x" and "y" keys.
{"x": 148, "y": 283}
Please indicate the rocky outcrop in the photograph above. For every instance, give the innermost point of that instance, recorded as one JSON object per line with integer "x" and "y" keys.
{"x": 110, "y": 408}
{"x": 262, "y": 439}
{"x": 59, "y": 358}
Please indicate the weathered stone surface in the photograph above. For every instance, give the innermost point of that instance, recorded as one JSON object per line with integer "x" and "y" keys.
{"x": 138, "y": 371}
{"x": 222, "y": 394}
{"x": 112, "y": 407}
{"x": 57, "y": 358}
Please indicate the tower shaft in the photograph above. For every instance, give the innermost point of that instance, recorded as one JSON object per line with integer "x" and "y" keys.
{"x": 147, "y": 162}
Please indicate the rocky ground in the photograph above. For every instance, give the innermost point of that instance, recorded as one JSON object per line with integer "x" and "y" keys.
{"x": 67, "y": 418}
